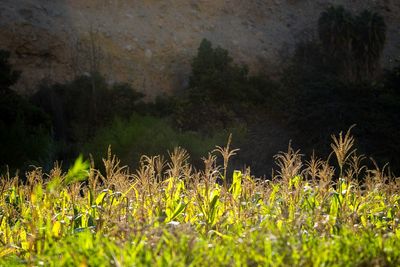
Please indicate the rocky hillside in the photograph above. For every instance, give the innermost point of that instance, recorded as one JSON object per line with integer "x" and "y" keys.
{"x": 149, "y": 43}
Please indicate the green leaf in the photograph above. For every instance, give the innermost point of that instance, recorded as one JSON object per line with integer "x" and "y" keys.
{"x": 236, "y": 188}
{"x": 78, "y": 172}
{"x": 100, "y": 197}
{"x": 179, "y": 209}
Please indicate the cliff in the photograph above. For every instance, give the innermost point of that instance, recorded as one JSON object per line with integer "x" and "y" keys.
{"x": 150, "y": 43}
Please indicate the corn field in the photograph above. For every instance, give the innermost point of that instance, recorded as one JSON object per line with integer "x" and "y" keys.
{"x": 310, "y": 212}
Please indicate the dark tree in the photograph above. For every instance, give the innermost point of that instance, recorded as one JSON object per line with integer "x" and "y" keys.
{"x": 8, "y": 76}
{"x": 336, "y": 32}
{"x": 24, "y": 128}
{"x": 368, "y": 43}
{"x": 352, "y": 44}
{"x": 215, "y": 76}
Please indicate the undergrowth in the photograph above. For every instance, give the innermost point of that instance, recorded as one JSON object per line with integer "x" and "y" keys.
{"x": 126, "y": 139}
{"x": 168, "y": 213}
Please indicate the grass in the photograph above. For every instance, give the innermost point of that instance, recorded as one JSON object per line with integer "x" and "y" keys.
{"x": 167, "y": 213}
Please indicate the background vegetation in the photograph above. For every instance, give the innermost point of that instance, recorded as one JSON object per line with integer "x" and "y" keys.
{"x": 24, "y": 128}
{"x": 331, "y": 83}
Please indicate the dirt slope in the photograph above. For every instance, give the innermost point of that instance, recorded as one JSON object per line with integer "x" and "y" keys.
{"x": 149, "y": 43}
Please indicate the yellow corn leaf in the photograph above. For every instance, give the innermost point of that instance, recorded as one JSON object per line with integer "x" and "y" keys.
{"x": 56, "y": 230}
{"x": 7, "y": 251}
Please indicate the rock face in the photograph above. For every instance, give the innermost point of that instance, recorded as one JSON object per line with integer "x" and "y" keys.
{"x": 149, "y": 43}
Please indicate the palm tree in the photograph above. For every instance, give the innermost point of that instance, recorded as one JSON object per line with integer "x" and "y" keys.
{"x": 369, "y": 43}
{"x": 336, "y": 32}
{"x": 355, "y": 44}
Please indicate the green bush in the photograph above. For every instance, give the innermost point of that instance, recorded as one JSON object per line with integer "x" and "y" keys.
{"x": 139, "y": 135}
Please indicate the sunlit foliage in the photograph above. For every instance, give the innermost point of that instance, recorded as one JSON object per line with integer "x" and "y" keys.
{"x": 168, "y": 214}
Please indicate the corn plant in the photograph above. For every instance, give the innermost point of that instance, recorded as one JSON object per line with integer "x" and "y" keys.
{"x": 167, "y": 213}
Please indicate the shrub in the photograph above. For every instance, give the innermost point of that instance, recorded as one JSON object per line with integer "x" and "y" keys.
{"x": 139, "y": 135}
